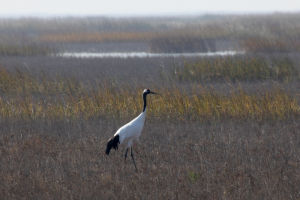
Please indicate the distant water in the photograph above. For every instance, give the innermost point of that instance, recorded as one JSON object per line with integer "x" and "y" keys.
{"x": 145, "y": 54}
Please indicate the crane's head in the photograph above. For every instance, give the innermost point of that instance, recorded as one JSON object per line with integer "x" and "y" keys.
{"x": 148, "y": 91}
{"x": 145, "y": 92}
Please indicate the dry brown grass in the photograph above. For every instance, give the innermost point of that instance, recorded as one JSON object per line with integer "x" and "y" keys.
{"x": 187, "y": 160}
{"x": 97, "y": 37}
{"x": 25, "y": 50}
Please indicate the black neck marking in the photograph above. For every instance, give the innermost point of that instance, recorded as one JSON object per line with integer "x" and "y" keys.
{"x": 145, "y": 101}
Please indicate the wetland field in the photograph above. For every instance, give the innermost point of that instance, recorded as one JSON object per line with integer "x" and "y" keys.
{"x": 226, "y": 125}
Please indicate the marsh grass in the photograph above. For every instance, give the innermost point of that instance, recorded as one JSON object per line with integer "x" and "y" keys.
{"x": 25, "y": 50}
{"x": 28, "y": 98}
{"x": 208, "y": 106}
{"x": 97, "y": 37}
{"x": 271, "y": 45}
{"x": 261, "y": 33}
{"x": 237, "y": 69}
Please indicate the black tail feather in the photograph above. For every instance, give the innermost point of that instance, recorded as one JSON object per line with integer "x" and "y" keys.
{"x": 112, "y": 143}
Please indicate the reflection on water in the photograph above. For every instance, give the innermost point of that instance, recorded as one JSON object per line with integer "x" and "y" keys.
{"x": 145, "y": 54}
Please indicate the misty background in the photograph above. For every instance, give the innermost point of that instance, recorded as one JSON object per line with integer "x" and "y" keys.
{"x": 44, "y": 8}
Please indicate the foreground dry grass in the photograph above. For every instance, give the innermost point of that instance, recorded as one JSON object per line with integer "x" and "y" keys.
{"x": 187, "y": 160}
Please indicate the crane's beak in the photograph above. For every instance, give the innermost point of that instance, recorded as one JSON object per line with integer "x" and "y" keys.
{"x": 154, "y": 93}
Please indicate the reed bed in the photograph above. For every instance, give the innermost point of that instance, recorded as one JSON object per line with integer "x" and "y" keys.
{"x": 97, "y": 37}
{"x": 258, "y": 44}
{"x": 26, "y": 97}
{"x": 262, "y": 33}
{"x": 25, "y": 50}
{"x": 173, "y": 105}
{"x": 238, "y": 69}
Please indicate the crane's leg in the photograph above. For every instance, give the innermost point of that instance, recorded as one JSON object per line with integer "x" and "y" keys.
{"x": 126, "y": 153}
{"x": 133, "y": 159}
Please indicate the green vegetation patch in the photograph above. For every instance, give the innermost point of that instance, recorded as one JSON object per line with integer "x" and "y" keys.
{"x": 237, "y": 69}
{"x": 24, "y": 50}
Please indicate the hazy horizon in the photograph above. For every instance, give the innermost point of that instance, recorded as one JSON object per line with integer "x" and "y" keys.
{"x": 114, "y": 8}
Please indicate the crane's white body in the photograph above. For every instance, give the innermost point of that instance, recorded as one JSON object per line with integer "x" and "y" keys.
{"x": 131, "y": 131}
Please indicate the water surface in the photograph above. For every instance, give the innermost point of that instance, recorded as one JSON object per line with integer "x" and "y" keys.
{"x": 145, "y": 54}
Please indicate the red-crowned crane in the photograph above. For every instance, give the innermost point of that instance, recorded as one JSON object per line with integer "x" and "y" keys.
{"x": 130, "y": 131}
